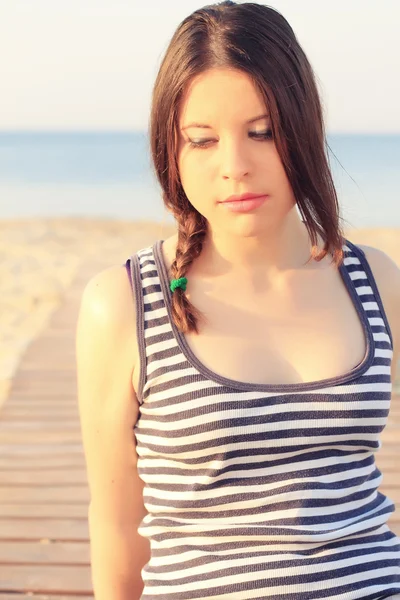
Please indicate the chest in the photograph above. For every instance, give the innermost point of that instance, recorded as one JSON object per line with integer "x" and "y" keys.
{"x": 313, "y": 333}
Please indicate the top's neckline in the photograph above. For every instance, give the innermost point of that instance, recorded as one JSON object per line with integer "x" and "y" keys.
{"x": 361, "y": 368}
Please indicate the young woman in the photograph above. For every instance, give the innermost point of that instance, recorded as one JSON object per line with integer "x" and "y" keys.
{"x": 232, "y": 399}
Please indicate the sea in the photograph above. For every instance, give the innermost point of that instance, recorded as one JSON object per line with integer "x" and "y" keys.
{"x": 105, "y": 174}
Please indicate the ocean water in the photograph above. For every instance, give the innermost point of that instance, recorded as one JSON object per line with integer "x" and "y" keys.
{"x": 109, "y": 175}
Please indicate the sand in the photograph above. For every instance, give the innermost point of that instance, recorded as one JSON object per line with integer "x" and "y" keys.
{"x": 39, "y": 259}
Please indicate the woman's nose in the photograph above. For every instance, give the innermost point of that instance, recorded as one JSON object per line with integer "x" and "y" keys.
{"x": 234, "y": 161}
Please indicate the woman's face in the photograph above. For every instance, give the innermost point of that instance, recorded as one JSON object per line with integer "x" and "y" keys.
{"x": 233, "y": 156}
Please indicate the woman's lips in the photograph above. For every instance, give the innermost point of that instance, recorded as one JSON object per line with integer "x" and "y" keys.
{"x": 245, "y": 205}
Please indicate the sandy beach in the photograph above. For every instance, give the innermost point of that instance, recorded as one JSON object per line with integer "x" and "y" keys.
{"x": 40, "y": 258}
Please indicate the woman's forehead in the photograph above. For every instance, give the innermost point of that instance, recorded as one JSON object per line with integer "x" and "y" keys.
{"x": 215, "y": 96}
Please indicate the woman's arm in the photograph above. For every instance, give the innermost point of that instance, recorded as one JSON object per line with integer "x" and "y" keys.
{"x": 108, "y": 408}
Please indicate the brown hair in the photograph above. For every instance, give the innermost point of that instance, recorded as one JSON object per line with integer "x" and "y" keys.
{"x": 257, "y": 40}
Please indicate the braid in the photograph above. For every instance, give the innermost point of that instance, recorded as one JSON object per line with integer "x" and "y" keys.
{"x": 191, "y": 234}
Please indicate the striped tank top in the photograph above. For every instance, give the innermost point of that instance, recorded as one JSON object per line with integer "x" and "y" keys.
{"x": 261, "y": 491}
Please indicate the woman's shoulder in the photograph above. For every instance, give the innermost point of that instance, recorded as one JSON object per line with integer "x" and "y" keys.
{"x": 108, "y": 294}
{"x": 384, "y": 269}
{"x": 386, "y": 273}
{"x": 107, "y": 311}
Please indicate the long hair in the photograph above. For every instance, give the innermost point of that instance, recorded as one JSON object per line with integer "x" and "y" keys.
{"x": 257, "y": 40}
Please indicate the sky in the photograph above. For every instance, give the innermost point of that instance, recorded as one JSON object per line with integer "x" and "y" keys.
{"x": 91, "y": 64}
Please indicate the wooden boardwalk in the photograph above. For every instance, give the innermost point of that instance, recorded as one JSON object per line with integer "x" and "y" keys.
{"x": 44, "y": 545}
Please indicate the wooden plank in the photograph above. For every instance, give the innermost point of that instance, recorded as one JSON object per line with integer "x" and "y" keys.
{"x": 45, "y": 510}
{"x": 41, "y": 413}
{"x": 42, "y": 477}
{"x": 44, "y": 552}
{"x": 48, "y": 358}
{"x": 59, "y": 381}
{"x": 47, "y": 354}
{"x": 38, "y": 425}
{"x": 39, "y": 438}
{"x": 49, "y": 376}
{"x": 30, "y": 379}
{"x": 62, "y": 369}
{"x": 43, "y": 395}
{"x": 64, "y": 392}
{"x": 39, "y": 495}
{"x": 387, "y": 467}
{"x": 49, "y": 400}
{"x": 54, "y": 579}
{"x": 31, "y": 596}
{"x": 390, "y": 437}
{"x": 29, "y": 385}
{"x": 29, "y": 395}
{"x": 18, "y": 462}
{"x": 49, "y": 529}
{"x": 65, "y": 449}
{"x": 53, "y": 418}
{"x": 394, "y": 494}
{"x": 43, "y": 402}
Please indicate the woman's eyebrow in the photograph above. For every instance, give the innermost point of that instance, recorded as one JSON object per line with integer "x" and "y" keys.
{"x": 204, "y": 126}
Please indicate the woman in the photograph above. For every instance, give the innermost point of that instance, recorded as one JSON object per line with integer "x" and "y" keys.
{"x": 231, "y": 406}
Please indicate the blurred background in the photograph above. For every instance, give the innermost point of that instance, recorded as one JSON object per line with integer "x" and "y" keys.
{"x": 77, "y": 79}
{"x": 77, "y": 194}
{"x": 76, "y": 87}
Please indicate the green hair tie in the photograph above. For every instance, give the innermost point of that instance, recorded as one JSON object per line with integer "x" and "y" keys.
{"x": 175, "y": 283}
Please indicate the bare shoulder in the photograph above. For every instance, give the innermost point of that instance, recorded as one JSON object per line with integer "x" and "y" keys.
{"x": 106, "y": 325}
{"x": 108, "y": 296}
{"x": 387, "y": 276}
{"x": 380, "y": 258}
{"x": 386, "y": 273}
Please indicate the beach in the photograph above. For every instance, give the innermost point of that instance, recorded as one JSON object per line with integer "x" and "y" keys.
{"x": 41, "y": 256}
{"x": 39, "y": 259}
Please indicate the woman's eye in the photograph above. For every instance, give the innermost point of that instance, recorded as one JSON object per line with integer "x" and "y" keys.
{"x": 258, "y": 135}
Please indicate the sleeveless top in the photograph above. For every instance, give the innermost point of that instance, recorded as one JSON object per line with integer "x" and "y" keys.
{"x": 261, "y": 490}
